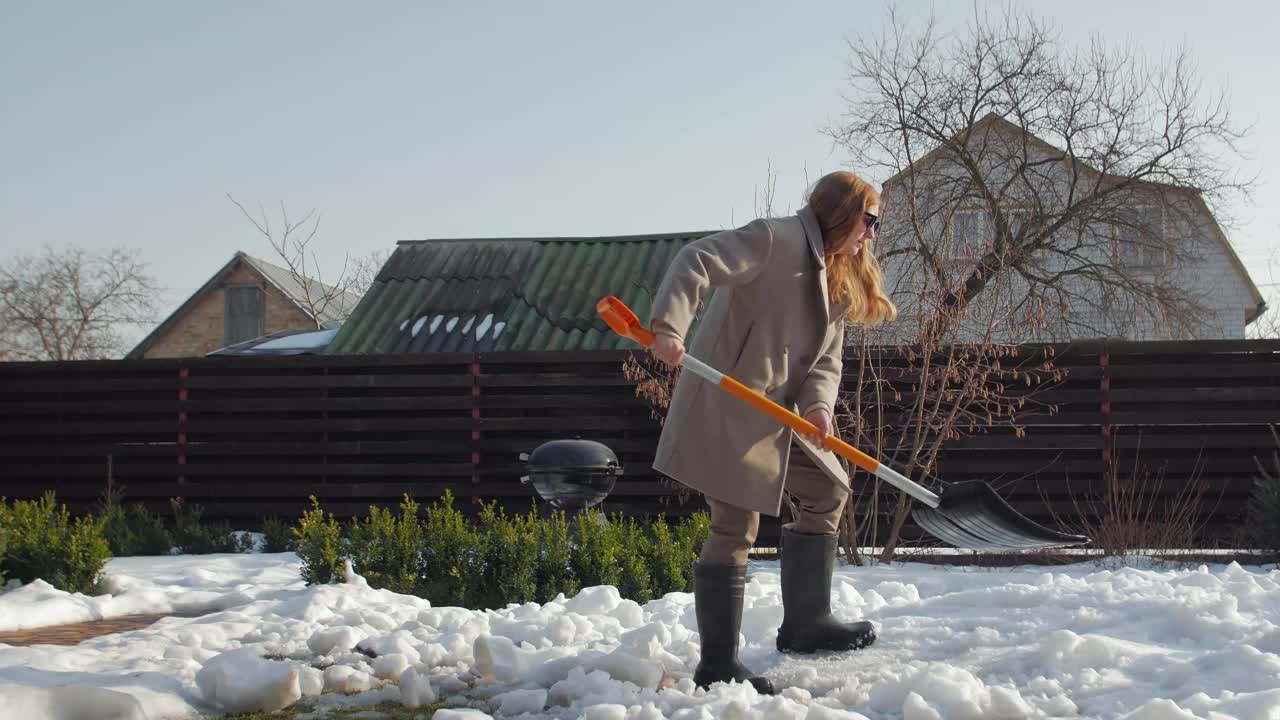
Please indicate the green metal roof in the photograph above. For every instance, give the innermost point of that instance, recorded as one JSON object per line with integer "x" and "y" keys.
{"x": 498, "y": 295}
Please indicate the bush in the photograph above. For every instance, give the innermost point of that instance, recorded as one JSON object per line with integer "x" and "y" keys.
{"x": 4, "y": 539}
{"x": 44, "y": 543}
{"x": 1263, "y": 524}
{"x": 595, "y": 551}
{"x": 450, "y": 555}
{"x": 554, "y": 570}
{"x": 689, "y": 536}
{"x": 319, "y": 543}
{"x": 499, "y": 559}
{"x": 133, "y": 530}
{"x": 667, "y": 559}
{"x": 508, "y": 570}
{"x": 277, "y": 536}
{"x": 385, "y": 549}
{"x": 192, "y": 536}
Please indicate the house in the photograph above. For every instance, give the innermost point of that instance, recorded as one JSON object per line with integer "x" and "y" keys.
{"x": 506, "y": 294}
{"x": 528, "y": 294}
{"x": 244, "y": 299}
{"x": 1139, "y": 260}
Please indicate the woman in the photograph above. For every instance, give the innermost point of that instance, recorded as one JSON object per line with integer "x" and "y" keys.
{"x": 784, "y": 289}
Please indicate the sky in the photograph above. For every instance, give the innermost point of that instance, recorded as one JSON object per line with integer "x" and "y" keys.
{"x": 1135, "y": 639}
{"x": 130, "y": 123}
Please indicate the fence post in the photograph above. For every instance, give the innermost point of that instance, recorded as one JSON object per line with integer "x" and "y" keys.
{"x": 475, "y": 418}
{"x": 324, "y": 419}
{"x": 183, "y": 374}
{"x": 1104, "y": 362}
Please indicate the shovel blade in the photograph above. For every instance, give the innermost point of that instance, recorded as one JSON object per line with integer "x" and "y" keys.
{"x": 972, "y": 515}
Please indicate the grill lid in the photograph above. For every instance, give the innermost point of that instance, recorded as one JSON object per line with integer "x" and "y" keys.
{"x": 569, "y": 455}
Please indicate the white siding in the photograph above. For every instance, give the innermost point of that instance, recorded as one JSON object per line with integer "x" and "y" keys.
{"x": 1203, "y": 269}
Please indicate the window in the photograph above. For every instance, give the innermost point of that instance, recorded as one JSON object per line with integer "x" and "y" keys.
{"x": 971, "y": 233}
{"x": 1139, "y": 236}
{"x": 1018, "y": 217}
{"x": 244, "y": 315}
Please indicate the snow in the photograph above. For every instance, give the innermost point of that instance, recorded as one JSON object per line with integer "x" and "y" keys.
{"x": 1138, "y": 640}
{"x": 143, "y": 585}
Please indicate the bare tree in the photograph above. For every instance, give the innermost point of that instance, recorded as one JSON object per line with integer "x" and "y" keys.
{"x": 1084, "y": 175}
{"x": 905, "y": 399}
{"x": 322, "y": 295}
{"x": 72, "y": 304}
{"x": 364, "y": 271}
{"x": 1031, "y": 192}
{"x": 1267, "y": 326}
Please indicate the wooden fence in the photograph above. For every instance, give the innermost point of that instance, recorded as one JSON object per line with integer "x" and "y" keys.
{"x": 253, "y": 437}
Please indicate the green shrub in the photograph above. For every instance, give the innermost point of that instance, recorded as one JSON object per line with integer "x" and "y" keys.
{"x": 554, "y": 572}
{"x": 4, "y": 540}
{"x": 319, "y": 543}
{"x": 385, "y": 549}
{"x": 193, "y": 536}
{"x": 43, "y": 542}
{"x": 667, "y": 562}
{"x": 132, "y": 530}
{"x": 689, "y": 534}
{"x": 508, "y": 569}
{"x": 277, "y": 536}
{"x": 633, "y": 547}
{"x": 500, "y": 559}
{"x": 595, "y": 551}
{"x": 450, "y": 555}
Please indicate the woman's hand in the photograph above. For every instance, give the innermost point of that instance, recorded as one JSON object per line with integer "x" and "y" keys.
{"x": 821, "y": 418}
{"x": 668, "y": 349}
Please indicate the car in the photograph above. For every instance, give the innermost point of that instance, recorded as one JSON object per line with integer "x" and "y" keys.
{"x": 281, "y": 343}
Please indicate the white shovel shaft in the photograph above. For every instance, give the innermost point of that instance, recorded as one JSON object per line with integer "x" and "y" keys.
{"x": 900, "y": 481}
{"x": 701, "y": 369}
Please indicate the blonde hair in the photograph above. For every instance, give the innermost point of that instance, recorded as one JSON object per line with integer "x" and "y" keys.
{"x": 840, "y": 200}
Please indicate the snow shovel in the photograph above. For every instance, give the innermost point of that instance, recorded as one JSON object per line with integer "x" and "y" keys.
{"x": 967, "y": 514}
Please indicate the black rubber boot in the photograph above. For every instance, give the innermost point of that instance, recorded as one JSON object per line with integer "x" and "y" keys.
{"x": 807, "y": 625}
{"x": 717, "y": 594}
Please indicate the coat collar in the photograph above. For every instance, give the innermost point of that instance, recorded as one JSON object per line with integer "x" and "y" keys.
{"x": 813, "y": 233}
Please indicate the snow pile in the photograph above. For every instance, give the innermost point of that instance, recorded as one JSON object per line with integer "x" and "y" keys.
{"x": 144, "y": 585}
{"x": 955, "y": 643}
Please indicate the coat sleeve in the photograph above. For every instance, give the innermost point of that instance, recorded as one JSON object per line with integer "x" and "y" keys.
{"x": 822, "y": 385}
{"x": 729, "y": 258}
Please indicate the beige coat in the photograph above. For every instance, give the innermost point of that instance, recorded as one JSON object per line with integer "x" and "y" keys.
{"x": 769, "y": 325}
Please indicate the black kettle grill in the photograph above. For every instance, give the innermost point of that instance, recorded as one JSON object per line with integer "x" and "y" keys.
{"x": 572, "y": 474}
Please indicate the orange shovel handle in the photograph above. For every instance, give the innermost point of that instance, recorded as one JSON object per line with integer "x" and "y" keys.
{"x": 624, "y": 322}
{"x": 799, "y": 424}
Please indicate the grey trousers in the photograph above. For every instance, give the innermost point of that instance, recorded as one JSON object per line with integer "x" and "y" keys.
{"x": 818, "y": 500}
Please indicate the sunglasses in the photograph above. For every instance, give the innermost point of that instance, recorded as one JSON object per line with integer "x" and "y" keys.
{"x": 873, "y": 222}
